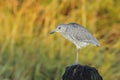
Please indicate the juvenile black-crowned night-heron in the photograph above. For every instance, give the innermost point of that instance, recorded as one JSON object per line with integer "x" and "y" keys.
{"x": 76, "y": 34}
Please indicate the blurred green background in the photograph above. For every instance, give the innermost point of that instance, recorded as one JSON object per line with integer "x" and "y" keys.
{"x": 28, "y": 52}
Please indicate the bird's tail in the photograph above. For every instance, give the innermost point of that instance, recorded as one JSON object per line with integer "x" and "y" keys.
{"x": 97, "y": 43}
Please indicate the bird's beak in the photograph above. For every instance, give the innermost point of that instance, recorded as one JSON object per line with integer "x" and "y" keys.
{"x": 52, "y": 32}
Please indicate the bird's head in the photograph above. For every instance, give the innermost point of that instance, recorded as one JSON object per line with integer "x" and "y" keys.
{"x": 60, "y": 28}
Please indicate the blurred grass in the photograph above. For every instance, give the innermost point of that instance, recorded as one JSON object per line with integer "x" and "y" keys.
{"x": 28, "y": 52}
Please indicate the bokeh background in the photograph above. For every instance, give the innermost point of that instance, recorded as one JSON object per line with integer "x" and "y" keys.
{"x": 28, "y": 52}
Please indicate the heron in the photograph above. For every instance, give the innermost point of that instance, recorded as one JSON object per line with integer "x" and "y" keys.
{"x": 77, "y": 34}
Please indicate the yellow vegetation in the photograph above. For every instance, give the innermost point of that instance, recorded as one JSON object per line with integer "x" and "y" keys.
{"x": 28, "y": 52}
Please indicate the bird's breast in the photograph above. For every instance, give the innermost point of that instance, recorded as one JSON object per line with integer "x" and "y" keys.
{"x": 68, "y": 36}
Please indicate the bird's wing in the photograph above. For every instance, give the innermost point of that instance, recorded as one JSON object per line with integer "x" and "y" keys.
{"x": 81, "y": 34}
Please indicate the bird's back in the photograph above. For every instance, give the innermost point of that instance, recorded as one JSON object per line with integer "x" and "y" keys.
{"x": 79, "y": 35}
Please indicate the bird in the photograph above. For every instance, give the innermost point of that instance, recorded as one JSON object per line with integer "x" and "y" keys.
{"x": 77, "y": 34}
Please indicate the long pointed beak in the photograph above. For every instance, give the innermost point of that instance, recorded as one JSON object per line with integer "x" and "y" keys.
{"x": 52, "y": 32}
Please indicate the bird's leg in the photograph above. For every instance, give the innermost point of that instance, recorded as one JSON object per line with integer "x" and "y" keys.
{"x": 77, "y": 56}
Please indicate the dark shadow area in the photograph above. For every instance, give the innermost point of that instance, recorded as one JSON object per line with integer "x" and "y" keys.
{"x": 80, "y": 72}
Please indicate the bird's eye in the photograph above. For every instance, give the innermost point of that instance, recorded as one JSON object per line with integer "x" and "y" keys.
{"x": 59, "y": 28}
